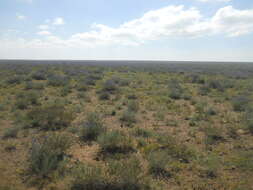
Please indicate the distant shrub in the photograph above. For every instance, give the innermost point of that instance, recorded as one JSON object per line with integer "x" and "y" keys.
{"x": 204, "y": 90}
{"x": 244, "y": 160}
{"x": 115, "y": 142}
{"x": 91, "y": 79}
{"x": 133, "y": 106}
{"x": 132, "y": 97}
{"x": 140, "y": 132}
{"x": 216, "y": 84}
{"x": 175, "y": 89}
{"x": 24, "y": 99}
{"x": 213, "y": 135}
{"x": 195, "y": 78}
{"x": 65, "y": 91}
{"x": 47, "y": 153}
{"x": 10, "y": 133}
{"x": 240, "y": 103}
{"x": 104, "y": 96}
{"x": 33, "y": 86}
{"x": 57, "y": 80}
{"x": 39, "y": 75}
{"x": 211, "y": 111}
{"x": 109, "y": 86}
{"x": 49, "y": 117}
{"x": 16, "y": 79}
{"x": 91, "y": 128}
{"x": 128, "y": 118}
{"x": 158, "y": 161}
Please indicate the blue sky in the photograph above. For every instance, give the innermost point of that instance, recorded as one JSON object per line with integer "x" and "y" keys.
{"x": 208, "y": 30}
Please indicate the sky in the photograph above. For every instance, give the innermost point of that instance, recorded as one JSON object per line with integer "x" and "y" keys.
{"x": 174, "y": 30}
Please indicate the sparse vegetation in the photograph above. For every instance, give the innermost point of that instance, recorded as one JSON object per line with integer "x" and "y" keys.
{"x": 125, "y": 126}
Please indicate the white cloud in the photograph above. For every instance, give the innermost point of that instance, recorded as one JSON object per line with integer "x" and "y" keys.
{"x": 20, "y": 16}
{"x": 160, "y": 24}
{"x": 232, "y": 22}
{"x": 43, "y": 27}
{"x": 211, "y": 1}
{"x": 44, "y": 33}
{"x": 58, "y": 21}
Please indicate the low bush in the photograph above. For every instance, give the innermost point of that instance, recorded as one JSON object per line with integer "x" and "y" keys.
{"x": 57, "y": 80}
{"x": 90, "y": 177}
{"x": 47, "y": 154}
{"x": 240, "y": 103}
{"x": 158, "y": 162}
{"x": 49, "y": 117}
{"x": 133, "y": 106}
{"x": 128, "y": 118}
{"x": 175, "y": 89}
{"x": 115, "y": 142}
{"x": 10, "y": 133}
{"x": 91, "y": 128}
{"x": 213, "y": 135}
{"x": 140, "y": 132}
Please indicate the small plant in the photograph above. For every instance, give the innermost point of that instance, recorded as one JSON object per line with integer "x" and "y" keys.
{"x": 213, "y": 135}
{"x": 90, "y": 177}
{"x": 47, "y": 153}
{"x": 115, "y": 142}
{"x": 91, "y": 128}
{"x": 240, "y": 103}
{"x": 10, "y": 133}
{"x": 158, "y": 161}
{"x": 128, "y": 118}
{"x": 140, "y": 132}
{"x": 133, "y": 106}
{"x": 49, "y": 117}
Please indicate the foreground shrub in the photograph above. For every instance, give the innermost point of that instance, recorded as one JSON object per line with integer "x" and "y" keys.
{"x": 115, "y": 142}
{"x": 49, "y": 117}
{"x": 47, "y": 154}
{"x": 116, "y": 177}
{"x": 90, "y": 178}
{"x": 92, "y": 127}
{"x": 158, "y": 161}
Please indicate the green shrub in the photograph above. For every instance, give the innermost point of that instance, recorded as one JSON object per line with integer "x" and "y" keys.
{"x": 127, "y": 178}
{"x": 213, "y": 135}
{"x": 91, "y": 128}
{"x": 47, "y": 153}
{"x": 115, "y": 142}
{"x": 89, "y": 177}
{"x": 140, "y": 132}
{"x": 10, "y": 133}
{"x": 109, "y": 86}
{"x": 57, "y": 80}
{"x": 175, "y": 89}
{"x": 104, "y": 96}
{"x": 128, "y": 118}
{"x": 240, "y": 103}
{"x": 204, "y": 90}
{"x": 25, "y": 99}
{"x": 33, "y": 86}
{"x": 133, "y": 106}
{"x": 39, "y": 75}
{"x": 158, "y": 161}
{"x": 244, "y": 160}
{"x": 49, "y": 117}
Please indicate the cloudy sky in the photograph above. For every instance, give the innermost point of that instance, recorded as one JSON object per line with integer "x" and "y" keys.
{"x": 211, "y": 30}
